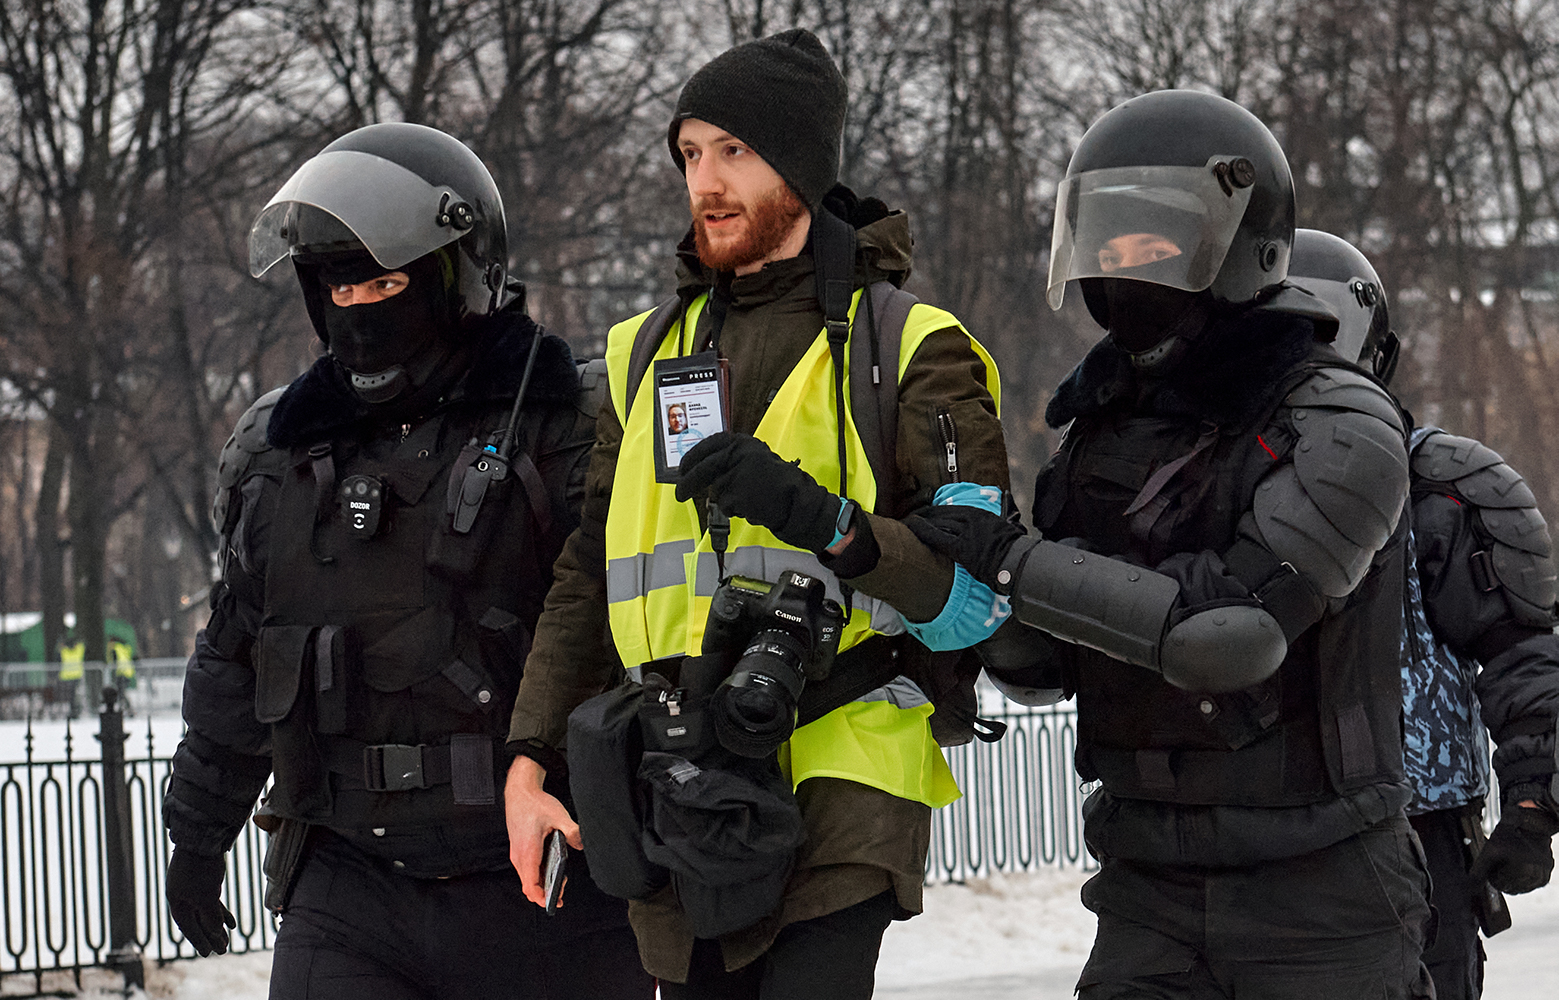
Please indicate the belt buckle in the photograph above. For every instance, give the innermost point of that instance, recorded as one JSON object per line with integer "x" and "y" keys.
{"x": 393, "y": 767}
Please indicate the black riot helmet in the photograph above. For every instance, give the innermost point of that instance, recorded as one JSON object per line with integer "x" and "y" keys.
{"x": 385, "y": 198}
{"x": 400, "y": 192}
{"x": 1177, "y": 189}
{"x": 1337, "y": 273}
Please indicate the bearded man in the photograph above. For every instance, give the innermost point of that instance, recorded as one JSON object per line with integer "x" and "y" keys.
{"x": 757, "y": 134}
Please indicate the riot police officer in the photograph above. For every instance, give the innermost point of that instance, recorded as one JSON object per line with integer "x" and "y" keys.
{"x": 1478, "y": 645}
{"x": 389, "y": 521}
{"x": 1216, "y": 573}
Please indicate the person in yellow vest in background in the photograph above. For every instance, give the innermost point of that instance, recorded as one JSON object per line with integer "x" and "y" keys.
{"x": 123, "y": 660}
{"x": 73, "y": 655}
{"x": 757, "y": 135}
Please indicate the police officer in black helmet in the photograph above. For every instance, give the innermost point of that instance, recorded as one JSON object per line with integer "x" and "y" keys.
{"x": 1216, "y": 573}
{"x": 389, "y": 521}
{"x": 1479, "y": 653}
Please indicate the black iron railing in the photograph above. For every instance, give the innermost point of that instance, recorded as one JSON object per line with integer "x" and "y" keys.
{"x": 83, "y": 852}
{"x": 1022, "y": 804}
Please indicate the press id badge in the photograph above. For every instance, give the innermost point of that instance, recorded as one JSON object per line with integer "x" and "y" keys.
{"x": 691, "y": 403}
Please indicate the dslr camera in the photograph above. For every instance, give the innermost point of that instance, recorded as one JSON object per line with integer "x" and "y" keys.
{"x": 766, "y": 640}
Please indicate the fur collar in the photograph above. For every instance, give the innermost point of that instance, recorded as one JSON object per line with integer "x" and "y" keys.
{"x": 1226, "y": 376}
{"x": 320, "y": 404}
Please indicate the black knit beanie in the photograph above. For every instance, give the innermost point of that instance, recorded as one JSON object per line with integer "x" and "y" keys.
{"x": 781, "y": 95}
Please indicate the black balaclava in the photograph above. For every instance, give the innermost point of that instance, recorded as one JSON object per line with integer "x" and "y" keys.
{"x": 390, "y": 346}
{"x": 1152, "y": 323}
{"x": 781, "y": 95}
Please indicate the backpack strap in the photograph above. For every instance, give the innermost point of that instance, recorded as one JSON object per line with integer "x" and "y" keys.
{"x": 874, "y": 368}
{"x": 833, "y": 254}
{"x": 645, "y": 343}
{"x": 873, "y": 358}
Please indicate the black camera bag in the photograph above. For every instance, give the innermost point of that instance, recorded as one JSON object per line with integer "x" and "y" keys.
{"x": 728, "y": 833}
{"x": 605, "y": 744}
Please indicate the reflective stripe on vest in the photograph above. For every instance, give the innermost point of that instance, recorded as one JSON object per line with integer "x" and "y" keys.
{"x": 662, "y": 573}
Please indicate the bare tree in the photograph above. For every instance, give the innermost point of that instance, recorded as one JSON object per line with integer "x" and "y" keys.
{"x": 122, "y": 111}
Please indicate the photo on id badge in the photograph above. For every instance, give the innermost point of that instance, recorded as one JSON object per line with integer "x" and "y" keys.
{"x": 690, "y": 405}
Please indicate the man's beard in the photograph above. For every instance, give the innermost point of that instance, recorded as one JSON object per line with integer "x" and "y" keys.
{"x": 769, "y": 222}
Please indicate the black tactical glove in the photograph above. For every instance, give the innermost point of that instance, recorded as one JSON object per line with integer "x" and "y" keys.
{"x": 1519, "y": 856}
{"x": 973, "y": 537}
{"x": 747, "y": 480}
{"x": 195, "y": 899}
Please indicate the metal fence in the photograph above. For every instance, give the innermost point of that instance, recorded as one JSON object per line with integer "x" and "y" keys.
{"x": 35, "y": 690}
{"x": 83, "y": 853}
{"x": 1022, "y": 804}
{"x": 83, "y": 850}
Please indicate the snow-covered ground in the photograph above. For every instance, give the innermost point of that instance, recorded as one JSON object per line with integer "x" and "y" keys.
{"x": 1015, "y": 937}
{"x": 49, "y": 736}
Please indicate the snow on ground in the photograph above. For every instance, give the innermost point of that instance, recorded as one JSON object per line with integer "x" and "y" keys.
{"x": 1013, "y": 937}
{"x": 1023, "y": 935}
{"x": 48, "y": 738}
{"x": 1524, "y": 961}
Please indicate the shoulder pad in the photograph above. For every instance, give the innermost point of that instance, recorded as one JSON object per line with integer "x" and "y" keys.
{"x": 1476, "y": 471}
{"x": 1520, "y": 528}
{"x": 1353, "y": 467}
{"x": 1521, "y": 549}
{"x": 246, "y": 441}
{"x": 1331, "y": 511}
{"x": 594, "y": 388}
{"x": 1298, "y": 533}
{"x": 1529, "y": 583}
{"x": 1345, "y": 389}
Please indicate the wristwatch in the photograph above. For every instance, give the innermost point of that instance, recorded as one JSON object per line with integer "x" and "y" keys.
{"x": 847, "y": 509}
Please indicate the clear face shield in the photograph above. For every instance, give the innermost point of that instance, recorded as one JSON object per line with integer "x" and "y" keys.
{"x": 1167, "y": 225}
{"x": 344, "y": 197}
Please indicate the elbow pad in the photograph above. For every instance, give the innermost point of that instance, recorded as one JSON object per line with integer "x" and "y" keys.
{"x": 1128, "y": 612}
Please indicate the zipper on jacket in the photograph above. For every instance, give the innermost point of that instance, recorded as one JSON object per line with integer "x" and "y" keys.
{"x": 949, "y": 431}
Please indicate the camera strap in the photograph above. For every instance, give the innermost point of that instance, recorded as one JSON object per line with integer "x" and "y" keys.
{"x": 859, "y": 670}
{"x": 719, "y": 536}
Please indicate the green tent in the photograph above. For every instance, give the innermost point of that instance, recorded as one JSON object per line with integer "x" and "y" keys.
{"x": 21, "y": 636}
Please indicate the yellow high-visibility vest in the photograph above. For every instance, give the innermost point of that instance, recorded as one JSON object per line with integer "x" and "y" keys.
{"x": 124, "y": 663}
{"x": 71, "y": 659}
{"x": 662, "y": 572}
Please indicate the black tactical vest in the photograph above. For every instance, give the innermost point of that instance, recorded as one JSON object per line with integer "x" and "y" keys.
{"x": 390, "y": 654}
{"x": 1327, "y": 722}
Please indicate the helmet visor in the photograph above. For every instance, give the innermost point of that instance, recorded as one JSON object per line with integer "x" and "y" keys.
{"x": 344, "y": 197}
{"x": 1168, "y": 225}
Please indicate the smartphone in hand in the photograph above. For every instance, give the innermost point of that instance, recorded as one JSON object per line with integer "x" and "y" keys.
{"x": 553, "y": 857}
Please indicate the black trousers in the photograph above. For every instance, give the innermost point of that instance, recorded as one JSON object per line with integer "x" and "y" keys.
{"x": 355, "y": 930}
{"x": 1348, "y": 921}
{"x": 1455, "y": 958}
{"x": 833, "y": 957}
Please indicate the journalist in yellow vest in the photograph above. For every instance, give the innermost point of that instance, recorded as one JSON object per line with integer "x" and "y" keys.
{"x": 757, "y": 135}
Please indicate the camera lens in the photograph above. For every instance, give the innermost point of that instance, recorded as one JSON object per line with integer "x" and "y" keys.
{"x": 754, "y": 709}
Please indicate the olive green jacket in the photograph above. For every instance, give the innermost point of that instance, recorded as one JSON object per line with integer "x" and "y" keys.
{"x": 860, "y": 841}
